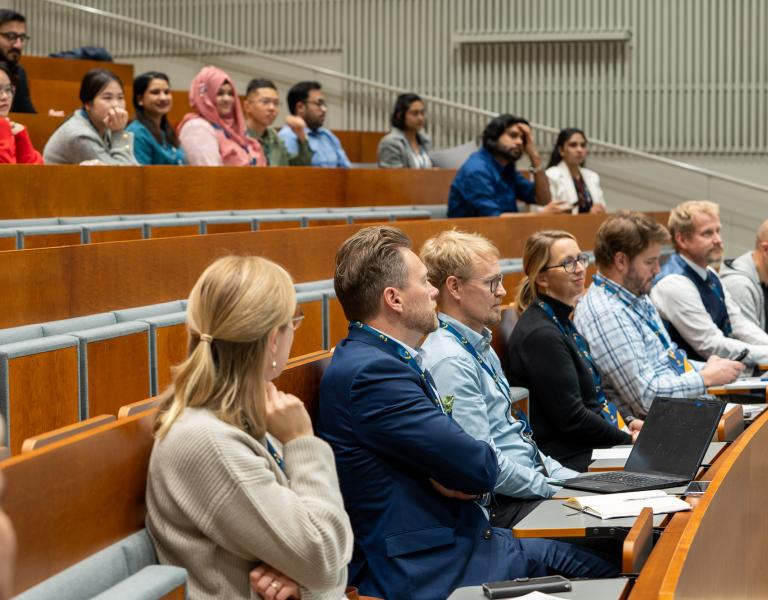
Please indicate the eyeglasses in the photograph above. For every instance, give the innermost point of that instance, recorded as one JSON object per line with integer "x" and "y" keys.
{"x": 493, "y": 283}
{"x": 268, "y": 102}
{"x": 318, "y": 103}
{"x": 298, "y": 318}
{"x": 8, "y": 90}
{"x": 12, "y": 36}
{"x": 569, "y": 264}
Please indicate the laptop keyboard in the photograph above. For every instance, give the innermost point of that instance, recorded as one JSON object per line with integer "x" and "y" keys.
{"x": 632, "y": 479}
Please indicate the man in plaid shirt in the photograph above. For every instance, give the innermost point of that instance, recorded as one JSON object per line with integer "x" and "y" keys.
{"x": 637, "y": 359}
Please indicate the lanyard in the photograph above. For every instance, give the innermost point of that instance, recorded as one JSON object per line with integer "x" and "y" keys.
{"x": 408, "y": 359}
{"x": 501, "y": 383}
{"x": 278, "y": 459}
{"x": 677, "y": 357}
{"x": 609, "y": 411}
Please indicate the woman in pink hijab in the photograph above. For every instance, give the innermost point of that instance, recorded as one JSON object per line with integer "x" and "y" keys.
{"x": 214, "y": 134}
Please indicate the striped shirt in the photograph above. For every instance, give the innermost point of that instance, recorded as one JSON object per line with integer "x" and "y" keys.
{"x": 633, "y": 362}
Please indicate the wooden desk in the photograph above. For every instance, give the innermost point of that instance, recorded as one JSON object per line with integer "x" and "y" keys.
{"x": 552, "y": 519}
{"x": 717, "y": 551}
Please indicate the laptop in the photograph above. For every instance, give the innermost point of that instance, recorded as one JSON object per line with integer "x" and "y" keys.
{"x": 667, "y": 453}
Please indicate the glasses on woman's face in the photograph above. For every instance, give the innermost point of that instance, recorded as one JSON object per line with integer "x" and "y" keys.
{"x": 298, "y": 318}
{"x": 7, "y": 90}
{"x": 569, "y": 264}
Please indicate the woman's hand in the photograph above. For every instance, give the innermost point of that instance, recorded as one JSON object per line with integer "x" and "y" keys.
{"x": 271, "y": 584}
{"x": 16, "y": 128}
{"x": 597, "y": 208}
{"x": 116, "y": 119}
{"x": 556, "y": 207}
{"x": 287, "y": 419}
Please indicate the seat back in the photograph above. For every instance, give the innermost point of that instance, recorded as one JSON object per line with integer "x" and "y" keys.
{"x": 638, "y": 543}
{"x": 62, "y": 433}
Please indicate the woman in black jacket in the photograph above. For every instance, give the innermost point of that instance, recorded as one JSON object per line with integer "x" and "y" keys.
{"x": 569, "y": 412}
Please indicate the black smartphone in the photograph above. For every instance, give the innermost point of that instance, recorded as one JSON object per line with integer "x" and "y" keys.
{"x": 742, "y": 355}
{"x": 525, "y": 585}
{"x": 696, "y": 488}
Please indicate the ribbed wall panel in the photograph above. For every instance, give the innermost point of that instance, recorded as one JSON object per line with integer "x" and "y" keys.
{"x": 691, "y": 79}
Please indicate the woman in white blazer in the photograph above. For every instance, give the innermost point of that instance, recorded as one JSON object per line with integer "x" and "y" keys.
{"x": 570, "y": 183}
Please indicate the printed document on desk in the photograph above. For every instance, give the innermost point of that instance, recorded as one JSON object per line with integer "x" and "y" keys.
{"x": 627, "y": 504}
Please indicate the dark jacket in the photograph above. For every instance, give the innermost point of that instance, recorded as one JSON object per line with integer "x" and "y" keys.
{"x": 411, "y": 543}
{"x": 563, "y": 407}
{"x": 22, "y": 102}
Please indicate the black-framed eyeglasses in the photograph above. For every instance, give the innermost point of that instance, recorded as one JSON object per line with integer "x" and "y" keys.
{"x": 569, "y": 264}
{"x": 12, "y": 36}
{"x": 493, "y": 283}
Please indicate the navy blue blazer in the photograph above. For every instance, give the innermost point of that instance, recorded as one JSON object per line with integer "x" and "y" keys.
{"x": 389, "y": 439}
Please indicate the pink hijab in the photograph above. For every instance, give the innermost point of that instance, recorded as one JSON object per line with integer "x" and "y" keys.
{"x": 236, "y": 148}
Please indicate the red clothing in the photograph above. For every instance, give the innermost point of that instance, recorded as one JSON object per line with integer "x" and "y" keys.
{"x": 17, "y": 149}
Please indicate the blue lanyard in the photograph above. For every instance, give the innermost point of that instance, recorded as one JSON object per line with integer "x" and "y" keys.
{"x": 609, "y": 411}
{"x": 408, "y": 359}
{"x": 278, "y": 459}
{"x": 677, "y": 356}
{"x": 501, "y": 383}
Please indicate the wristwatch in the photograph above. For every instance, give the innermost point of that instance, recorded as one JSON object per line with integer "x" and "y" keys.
{"x": 533, "y": 170}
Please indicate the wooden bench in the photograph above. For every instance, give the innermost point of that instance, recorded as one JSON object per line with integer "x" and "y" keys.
{"x": 80, "y": 494}
{"x": 66, "y": 69}
{"x": 69, "y": 190}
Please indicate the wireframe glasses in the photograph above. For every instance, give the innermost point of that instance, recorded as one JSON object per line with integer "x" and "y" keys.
{"x": 298, "y": 318}
{"x": 268, "y": 102}
{"x": 8, "y": 90}
{"x": 318, "y": 103}
{"x": 493, "y": 283}
{"x": 569, "y": 264}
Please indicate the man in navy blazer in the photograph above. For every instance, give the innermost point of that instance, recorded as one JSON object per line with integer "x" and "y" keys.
{"x": 410, "y": 476}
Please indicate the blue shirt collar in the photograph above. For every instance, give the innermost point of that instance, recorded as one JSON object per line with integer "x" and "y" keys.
{"x": 480, "y": 341}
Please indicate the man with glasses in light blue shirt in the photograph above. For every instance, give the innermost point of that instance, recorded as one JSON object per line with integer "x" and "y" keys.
{"x": 306, "y": 100}
{"x": 464, "y": 267}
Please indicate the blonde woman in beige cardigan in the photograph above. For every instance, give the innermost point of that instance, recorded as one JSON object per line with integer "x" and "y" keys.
{"x": 240, "y": 492}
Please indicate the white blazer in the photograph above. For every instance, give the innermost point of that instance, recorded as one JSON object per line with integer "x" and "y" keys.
{"x": 562, "y": 189}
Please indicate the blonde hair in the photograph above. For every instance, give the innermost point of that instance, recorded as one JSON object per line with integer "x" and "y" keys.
{"x": 233, "y": 307}
{"x": 536, "y": 255}
{"x": 454, "y": 252}
{"x": 681, "y": 217}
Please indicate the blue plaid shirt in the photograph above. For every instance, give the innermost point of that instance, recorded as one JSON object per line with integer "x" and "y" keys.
{"x": 633, "y": 362}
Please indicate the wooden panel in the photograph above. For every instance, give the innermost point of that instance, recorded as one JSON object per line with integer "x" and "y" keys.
{"x": 638, "y": 543}
{"x": 76, "y": 497}
{"x": 40, "y": 127}
{"x": 174, "y": 231}
{"x": 118, "y": 372}
{"x": 51, "y": 239}
{"x": 68, "y": 190}
{"x": 57, "y": 283}
{"x": 62, "y": 433}
{"x": 227, "y": 227}
{"x": 309, "y": 337}
{"x": 66, "y": 69}
{"x": 171, "y": 343}
{"x": 360, "y": 146}
{"x": 301, "y": 377}
{"x": 7, "y": 243}
{"x": 55, "y": 94}
{"x": 178, "y": 593}
{"x": 43, "y": 394}
{"x": 731, "y": 424}
{"x": 134, "y": 408}
{"x": 116, "y": 235}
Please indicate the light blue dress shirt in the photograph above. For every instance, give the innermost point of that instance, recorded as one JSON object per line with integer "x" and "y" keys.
{"x": 326, "y": 147}
{"x": 483, "y": 411}
{"x": 633, "y": 362}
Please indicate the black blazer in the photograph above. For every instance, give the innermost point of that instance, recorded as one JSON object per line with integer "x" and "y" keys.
{"x": 563, "y": 406}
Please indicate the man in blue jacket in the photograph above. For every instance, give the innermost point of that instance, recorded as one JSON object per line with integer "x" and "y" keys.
{"x": 488, "y": 183}
{"x": 410, "y": 476}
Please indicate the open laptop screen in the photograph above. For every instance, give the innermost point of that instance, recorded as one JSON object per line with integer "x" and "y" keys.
{"x": 675, "y": 436}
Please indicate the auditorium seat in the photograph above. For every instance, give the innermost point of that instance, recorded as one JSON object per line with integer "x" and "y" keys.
{"x": 62, "y": 433}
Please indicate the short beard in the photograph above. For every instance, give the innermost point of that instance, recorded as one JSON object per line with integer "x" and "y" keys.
{"x": 425, "y": 322}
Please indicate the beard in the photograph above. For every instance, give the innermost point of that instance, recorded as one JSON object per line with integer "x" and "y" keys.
{"x": 422, "y": 320}
{"x": 636, "y": 284}
{"x": 510, "y": 154}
